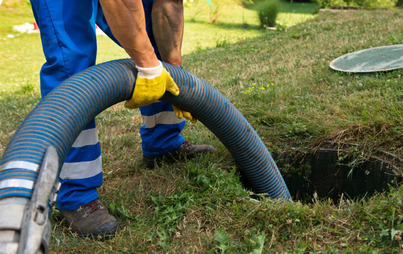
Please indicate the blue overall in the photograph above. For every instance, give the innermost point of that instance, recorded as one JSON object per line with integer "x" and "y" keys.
{"x": 67, "y": 29}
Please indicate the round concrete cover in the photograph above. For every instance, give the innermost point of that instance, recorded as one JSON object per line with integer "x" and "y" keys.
{"x": 383, "y": 58}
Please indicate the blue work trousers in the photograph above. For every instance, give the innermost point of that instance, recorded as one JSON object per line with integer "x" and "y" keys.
{"x": 67, "y": 29}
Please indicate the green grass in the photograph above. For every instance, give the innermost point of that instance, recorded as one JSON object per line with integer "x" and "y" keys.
{"x": 199, "y": 206}
{"x": 235, "y": 25}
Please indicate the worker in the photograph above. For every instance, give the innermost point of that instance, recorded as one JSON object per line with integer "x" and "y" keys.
{"x": 150, "y": 32}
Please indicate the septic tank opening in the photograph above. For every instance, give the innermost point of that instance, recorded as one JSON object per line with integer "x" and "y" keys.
{"x": 335, "y": 173}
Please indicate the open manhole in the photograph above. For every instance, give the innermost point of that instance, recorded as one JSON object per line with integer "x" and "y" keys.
{"x": 334, "y": 173}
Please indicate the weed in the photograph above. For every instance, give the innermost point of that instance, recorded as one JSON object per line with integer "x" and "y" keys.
{"x": 224, "y": 242}
{"x": 258, "y": 243}
{"x": 257, "y": 89}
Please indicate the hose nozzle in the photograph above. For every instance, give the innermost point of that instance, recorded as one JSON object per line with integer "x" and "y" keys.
{"x": 25, "y": 228}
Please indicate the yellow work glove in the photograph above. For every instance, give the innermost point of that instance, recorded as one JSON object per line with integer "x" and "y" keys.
{"x": 151, "y": 84}
{"x": 181, "y": 113}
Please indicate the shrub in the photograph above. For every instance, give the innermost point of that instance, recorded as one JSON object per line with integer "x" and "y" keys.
{"x": 378, "y": 3}
{"x": 328, "y": 3}
{"x": 267, "y": 11}
{"x": 359, "y": 3}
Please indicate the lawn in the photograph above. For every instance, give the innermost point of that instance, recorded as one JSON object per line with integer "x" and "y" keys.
{"x": 281, "y": 82}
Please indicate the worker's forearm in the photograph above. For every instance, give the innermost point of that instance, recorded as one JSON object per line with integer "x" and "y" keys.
{"x": 127, "y": 22}
{"x": 168, "y": 22}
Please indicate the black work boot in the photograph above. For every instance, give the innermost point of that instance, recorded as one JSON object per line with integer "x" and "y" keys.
{"x": 184, "y": 151}
{"x": 91, "y": 219}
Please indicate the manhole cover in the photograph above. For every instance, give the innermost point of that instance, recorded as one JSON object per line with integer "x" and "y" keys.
{"x": 383, "y": 58}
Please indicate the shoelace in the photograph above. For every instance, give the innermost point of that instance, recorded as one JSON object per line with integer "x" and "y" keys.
{"x": 186, "y": 144}
{"x": 93, "y": 205}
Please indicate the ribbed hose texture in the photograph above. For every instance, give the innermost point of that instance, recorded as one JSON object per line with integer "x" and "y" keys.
{"x": 59, "y": 118}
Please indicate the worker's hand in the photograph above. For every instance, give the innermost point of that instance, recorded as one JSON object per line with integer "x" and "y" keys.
{"x": 181, "y": 113}
{"x": 151, "y": 84}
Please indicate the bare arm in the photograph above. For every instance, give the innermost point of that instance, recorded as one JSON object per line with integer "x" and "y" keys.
{"x": 127, "y": 22}
{"x": 168, "y": 22}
